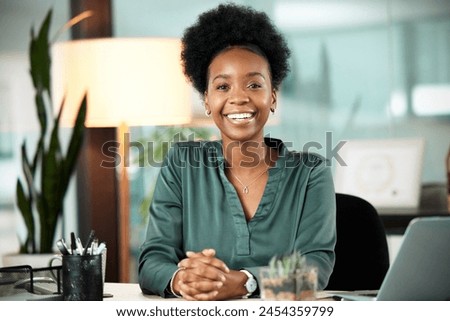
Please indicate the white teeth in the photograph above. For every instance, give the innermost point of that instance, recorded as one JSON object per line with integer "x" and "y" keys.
{"x": 240, "y": 116}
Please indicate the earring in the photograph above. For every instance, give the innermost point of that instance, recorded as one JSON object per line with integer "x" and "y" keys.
{"x": 272, "y": 110}
{"x": 207, "y": 112}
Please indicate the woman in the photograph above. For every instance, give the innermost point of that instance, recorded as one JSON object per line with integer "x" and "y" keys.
{"x": 222, "y": 209}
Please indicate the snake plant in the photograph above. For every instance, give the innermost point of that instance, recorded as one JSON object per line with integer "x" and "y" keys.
{"x": 48, "y": 172}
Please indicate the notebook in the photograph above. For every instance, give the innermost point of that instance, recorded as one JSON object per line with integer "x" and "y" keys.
{"x": 421, "y": 269}
{"x": 385, "y": 172}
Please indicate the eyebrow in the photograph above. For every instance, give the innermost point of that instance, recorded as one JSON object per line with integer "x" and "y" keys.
{"x": 250, "y": 74}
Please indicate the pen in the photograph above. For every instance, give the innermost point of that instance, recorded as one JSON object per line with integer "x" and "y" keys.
{"x": 100, "y": 248}
{"x": 94, "y": 246}
{"x": 62, "y": 247}
{"x": 89, "y": 242}
{"x": 65, "y": 246}
{"x": 73, "y": 243}
{"x": 79, "y": 246}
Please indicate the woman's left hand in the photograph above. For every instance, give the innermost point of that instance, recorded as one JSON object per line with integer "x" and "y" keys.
{"x": 205, "y": 277}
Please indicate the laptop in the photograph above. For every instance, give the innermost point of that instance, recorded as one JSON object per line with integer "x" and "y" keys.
{"x": 421, "y": 269}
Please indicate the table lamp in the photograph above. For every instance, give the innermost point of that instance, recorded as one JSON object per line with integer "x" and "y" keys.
{"x": 129, "y": 82}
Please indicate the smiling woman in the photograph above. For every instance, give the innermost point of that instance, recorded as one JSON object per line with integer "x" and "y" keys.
{"x": 239, "y": 97}
{"x": 222, "y": 209}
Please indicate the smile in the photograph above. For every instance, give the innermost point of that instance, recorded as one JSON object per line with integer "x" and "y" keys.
{"x": 241, "y": 116}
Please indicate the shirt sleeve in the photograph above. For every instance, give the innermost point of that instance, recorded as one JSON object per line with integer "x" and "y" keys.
{"x": 162, "y": 248}
{"x": 317, "y": 236}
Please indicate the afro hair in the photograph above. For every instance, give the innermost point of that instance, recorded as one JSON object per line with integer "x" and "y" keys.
{"x": 232, "y": 25}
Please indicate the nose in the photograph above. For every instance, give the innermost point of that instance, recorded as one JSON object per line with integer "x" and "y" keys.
{"x": 238, "y": 96}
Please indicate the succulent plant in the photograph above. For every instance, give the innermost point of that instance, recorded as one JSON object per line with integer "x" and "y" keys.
{"x": 286, "y": 265}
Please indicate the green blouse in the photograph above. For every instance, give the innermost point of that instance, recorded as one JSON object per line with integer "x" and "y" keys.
{"x": 196, "y": 207}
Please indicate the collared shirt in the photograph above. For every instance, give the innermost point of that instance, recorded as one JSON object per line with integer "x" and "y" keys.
{"x": 195, "y": 207}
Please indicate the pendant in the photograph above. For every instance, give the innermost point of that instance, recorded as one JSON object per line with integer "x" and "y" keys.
{"x": 245, "y": 190}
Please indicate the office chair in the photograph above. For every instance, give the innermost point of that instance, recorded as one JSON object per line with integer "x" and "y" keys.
{"x": 362, "y": 255}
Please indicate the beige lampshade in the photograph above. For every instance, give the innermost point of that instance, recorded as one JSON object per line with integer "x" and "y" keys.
{"x": 136, "y": 81}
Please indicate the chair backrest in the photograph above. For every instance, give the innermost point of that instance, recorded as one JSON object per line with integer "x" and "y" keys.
{"x": 362, "y": 255}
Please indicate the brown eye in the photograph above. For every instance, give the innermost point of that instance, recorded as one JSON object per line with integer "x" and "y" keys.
{"x": 222, "y": 87}
{"x": 254, "y": 86}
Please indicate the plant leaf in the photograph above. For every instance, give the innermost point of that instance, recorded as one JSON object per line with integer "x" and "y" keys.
{"x": 41, "y": 112}
{"x": 25, "y": 206}
{"x": 28, "y": 172}
{"x": 37, "y": 155}
{"x": 51, "y": 200}
{"x": 76, "y": 141}
{"x": 40, "y": 57}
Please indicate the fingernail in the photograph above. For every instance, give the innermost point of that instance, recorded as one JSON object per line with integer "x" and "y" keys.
{"x": 189, "y": 253}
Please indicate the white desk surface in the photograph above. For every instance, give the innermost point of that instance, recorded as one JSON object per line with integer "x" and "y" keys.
{"x": 132, "y": 292}
{"x": 128, "y": 292}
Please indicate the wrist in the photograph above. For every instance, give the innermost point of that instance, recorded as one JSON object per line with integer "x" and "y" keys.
{"x": 250, "y": 284}
{"x": 172, "y": 284}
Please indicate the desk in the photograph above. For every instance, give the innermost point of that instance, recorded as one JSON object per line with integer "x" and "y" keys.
{"x": 396, "y": 221}
{"x": 128, "y": 292}
{"x": 433, "y": 202}
{"x": 132, "y": 292}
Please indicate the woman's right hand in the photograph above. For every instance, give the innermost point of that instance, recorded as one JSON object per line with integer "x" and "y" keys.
{"x": 205, "y": 277}
{"x": 201, "y": 276}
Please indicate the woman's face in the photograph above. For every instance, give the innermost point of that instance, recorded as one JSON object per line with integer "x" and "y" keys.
{"x": 240, "y": 94}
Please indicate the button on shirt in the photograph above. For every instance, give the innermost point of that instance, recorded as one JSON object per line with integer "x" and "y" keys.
{"x": 195, "y": 207}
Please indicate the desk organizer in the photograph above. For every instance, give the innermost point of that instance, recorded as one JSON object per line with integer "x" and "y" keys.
{"x": 22, "y": 279}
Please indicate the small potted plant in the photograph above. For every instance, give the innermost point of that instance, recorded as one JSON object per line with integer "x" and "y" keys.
{"x": 288, "y": 278}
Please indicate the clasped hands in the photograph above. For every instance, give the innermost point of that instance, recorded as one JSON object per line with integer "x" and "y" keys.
{"x": 202, "y": 276}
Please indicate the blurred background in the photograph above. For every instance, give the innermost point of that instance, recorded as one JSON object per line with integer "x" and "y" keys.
{"x": 360, "y": 69}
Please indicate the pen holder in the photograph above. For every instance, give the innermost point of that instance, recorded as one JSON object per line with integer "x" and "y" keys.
{"x": 82, "y": 277}
{"x": 58, "y": 257}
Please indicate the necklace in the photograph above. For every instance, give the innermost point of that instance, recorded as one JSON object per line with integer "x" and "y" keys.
{"x": 245, "y": 189}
